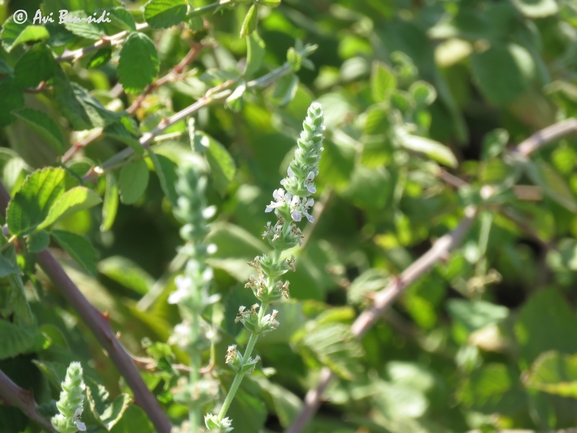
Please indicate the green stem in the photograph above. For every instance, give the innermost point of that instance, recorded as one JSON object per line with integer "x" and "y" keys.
{"x": 194, "y": 411}
{"x": 240, "y": 376}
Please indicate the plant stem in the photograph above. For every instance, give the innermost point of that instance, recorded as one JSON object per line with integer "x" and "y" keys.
{"x": 194, "y": 411}
{"x": 240, "y": 376}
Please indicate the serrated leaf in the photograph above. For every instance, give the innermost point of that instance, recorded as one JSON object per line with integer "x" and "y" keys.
{"x": 383, "y": 81}
{"x": 114, "y": 412}
{"x": 72, "y": 201}
{"x": 36, "y": 65}
{"x": 31, "y": 204}
{"x": 119, "y": 132}
{"x": 77, "y": 23}
{"x": 138, "y": 64}
{"x": 166, "y": 171}
{"x": 254, "y": 54}
{"x": 333, "y": 346}
{"x": 11, "y": 98}
{"x": 286, "y": 405}
{"x": 133, "y": 181}
{"x": 99, "y": 58}
{"x": 433, "y": 149}
{"x": 554, "y": 373}
{"x": 127, "y": 273}
{"x": 110, "y": 206}
{"x": 67, "y": 103}
{"x": 18, "y": 302}
{"x": 38, "y": 241}
{"x": 474, "y": 315}
{"x": 122, "y": 18}
{"x": 79, "y": 248}
{"x": 250, "y": 21}
{"x": 44, "y": 126}
{"x": 553, "y": 185}
{"x": 14, "y": 34}
{"x": 99, "y": 116}
{"x": 221, "y": 163}
{"x": 286, "y": 89}
{"x": 161, "y": 14}
{"x": 15, "y": 339}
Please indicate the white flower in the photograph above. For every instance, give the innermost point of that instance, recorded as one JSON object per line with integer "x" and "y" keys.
{"x": 309, "y": 182}
{"x": 76, "y": 420}
{"x": 183, "y": 286}
{"x": 281, "y": 198}
{"x": 300, "y": 207}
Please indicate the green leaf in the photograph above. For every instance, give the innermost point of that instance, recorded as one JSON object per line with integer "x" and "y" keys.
{"x": 161, "y": 14}
{"x": 8, "y": 264}
{"x": 110, "y": 206}
{"x": 127, "y": 273}
{"x": 553, "y": 185}
{"x": 96, "y": 112}
{"x": 474, "y": 315}
{"x": 294, "y": 59}
{"x": 14, "y": 34}
{"x": 235, "y": 101}
{"x": 67, "y": 102}
{"x": 554, "y": 373}
{"x": 122, "y": 18}
{"x": 79, "y": 249}
{"x": 250, "y": 22}
{"x": 15, "y": 339}
{"x": 286, "y": 89}
{"x": 99, "y": 58}
{"x": 269, "y": 3}
{"x": 77, "y": 23}
{"x": 72, "y": 201}
{"x": 369, "y": 188}
{"x": 44, "y": 126}
{"x": 254, "y": 54}
{"x": 138, "y": 64}
{"x": 286, "y": 405}
{"x": 494, "y": 388}
{"x": 31, "y": 205}
{"x": 114, "y": 412}
{"x": 221, "y": 163}
{"x": 11, "y": 98}
{"x": 38, "y": 241}
{"x": 166, "y": 171}
{"x": 133, "y": 181}
{"x": 494, "y": 143}
{"x": 503, "y": 72}
{"x": 383, "y": 81}
{"x": 333, "y": 346}
{"x": 133, "y": 420}
{"x": 536, "y": 8}
{"x": 536, "y": 335}
{"x": 18, "y": 302}
{"x": 423, "y": 93}
{"x": 5, "y": 68}
{"x": 119, "y": 132}
{"x": 36, "y": 65}
{"x": 431, "y": 148}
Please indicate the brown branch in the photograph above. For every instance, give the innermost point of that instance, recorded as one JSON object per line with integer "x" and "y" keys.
{"x": 175, "y": 73}
{"x": 384, "y": 298}
{"x": 547, "y": 135}
{"x": 100, "y": 327}
{"x": 15, "y": 396}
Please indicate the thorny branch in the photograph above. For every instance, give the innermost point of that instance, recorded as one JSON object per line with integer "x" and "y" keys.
{"x": 439, "y": 250}
{"x": 15, "y": 396}
{"x": 99, "y": 324}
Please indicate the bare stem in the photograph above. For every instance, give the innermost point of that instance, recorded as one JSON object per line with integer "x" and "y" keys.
{"x": 15, "y": 396}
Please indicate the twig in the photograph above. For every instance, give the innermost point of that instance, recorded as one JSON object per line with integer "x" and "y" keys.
{"x": 547, "y": 135}
{"x": 100, "y": 327}
{"x": 15, "y": 396}
{"x": 119, "y": 37}
{"x": 175, "y": 73}
{"x": 441, "y": 248}
{"x": 217, "y": 93}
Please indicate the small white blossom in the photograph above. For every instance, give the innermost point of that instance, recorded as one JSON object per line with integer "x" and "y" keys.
{"x": 281, "y": 198}
{"x": 76, "y": 420}
{"x": 183, "y": 286}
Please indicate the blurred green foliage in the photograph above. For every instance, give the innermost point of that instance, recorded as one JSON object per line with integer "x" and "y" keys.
{"x": 410, "y": 90}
